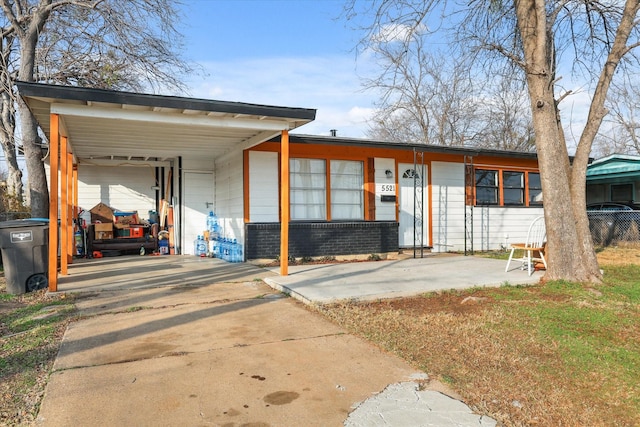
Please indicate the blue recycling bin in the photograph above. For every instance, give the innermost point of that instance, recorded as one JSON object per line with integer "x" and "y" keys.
{"x": 25, "y": 254}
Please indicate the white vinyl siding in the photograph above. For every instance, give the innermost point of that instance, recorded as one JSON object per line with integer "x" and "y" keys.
{"x": 123, "y": 188}
{"x": 448, "y": 206}
{"x": 263, "y": 186}
{"x": 496, "y": 227}
{"x": 229, "y": 194}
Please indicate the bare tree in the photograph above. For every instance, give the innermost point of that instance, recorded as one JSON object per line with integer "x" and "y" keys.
{"x": 97, "y": 43}
{"x": 534, "y": 36}
{"x": 621, "y": 132}
{"x": 425, "y": 97}
{"x": 505, "y": 116}
{"x": 429, "y": 96}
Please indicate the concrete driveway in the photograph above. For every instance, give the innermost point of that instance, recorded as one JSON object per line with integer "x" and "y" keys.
{"x": 181, "y": 341}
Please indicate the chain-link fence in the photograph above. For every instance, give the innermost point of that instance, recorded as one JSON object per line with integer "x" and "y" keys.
{"x": 611, "y": 227}
{"x": 9, "y": 216}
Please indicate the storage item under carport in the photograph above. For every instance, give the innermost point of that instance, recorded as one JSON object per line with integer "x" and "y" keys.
{"x": 25, "y": 250}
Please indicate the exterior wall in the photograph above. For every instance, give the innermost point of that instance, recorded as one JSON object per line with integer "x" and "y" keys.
{"x": 229, "y": 202}
{"x": 385, "y": 211}
{"x": 322, "y": 239}
{"x": 448, "y": 197}
{"x": 123, "y": 188}
{"x": 601, "y": 192}
{"x": 263, "y": 186}
{"x": 497, "y": 227}
{"x": 444, "y": 197}
{"x": 494, "y": 227}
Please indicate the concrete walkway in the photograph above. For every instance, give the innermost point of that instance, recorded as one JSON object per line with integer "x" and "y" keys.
{"x": 181, "y": 341}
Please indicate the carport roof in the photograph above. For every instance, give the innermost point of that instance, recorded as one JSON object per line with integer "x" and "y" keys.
{"x": 114, "y": 125}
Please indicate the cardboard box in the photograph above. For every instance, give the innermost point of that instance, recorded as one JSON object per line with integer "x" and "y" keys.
{"x": 104, "y": 235}
{"x": 101, "y": 213}
{"x": 103, "y": 230}
{"x": 125, "y": 219}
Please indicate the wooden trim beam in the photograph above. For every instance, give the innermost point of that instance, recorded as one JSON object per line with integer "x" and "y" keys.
{"x": 284, "y": 203}
{"x": 64, "y": 205}
{"x": 54, "y": 153}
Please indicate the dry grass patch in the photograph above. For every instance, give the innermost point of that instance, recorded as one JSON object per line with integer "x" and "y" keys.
{"x": 553, "y": 354}
{"x": 619, "y": 255}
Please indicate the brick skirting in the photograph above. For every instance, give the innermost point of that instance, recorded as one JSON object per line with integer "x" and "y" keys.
{"x": 315, "y": 239}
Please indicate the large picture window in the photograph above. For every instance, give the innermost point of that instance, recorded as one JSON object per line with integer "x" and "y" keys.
{"x": 347, "y": 195}
{"x": 507, "y": 188}
{"x": 308, "y": 189}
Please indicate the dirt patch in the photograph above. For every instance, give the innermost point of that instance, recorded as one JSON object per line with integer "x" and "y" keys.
{"x": 445, "y": 302}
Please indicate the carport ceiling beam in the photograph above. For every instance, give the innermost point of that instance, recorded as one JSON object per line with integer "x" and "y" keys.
{"x": 116, "y": 162}
{"x": 174, "y": 119}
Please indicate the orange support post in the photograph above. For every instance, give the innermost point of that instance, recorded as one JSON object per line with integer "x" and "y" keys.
{"x": 64, "y": 206}
{"x": 54, "y": 147}
{"x": 284, "y": 203}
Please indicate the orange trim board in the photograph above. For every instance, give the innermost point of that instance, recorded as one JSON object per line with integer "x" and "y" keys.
{"x": 54, "y": 153}
{"x": 340, "y": 152}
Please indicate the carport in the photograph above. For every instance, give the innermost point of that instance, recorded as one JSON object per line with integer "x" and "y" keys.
{"x": 88, "y": 127}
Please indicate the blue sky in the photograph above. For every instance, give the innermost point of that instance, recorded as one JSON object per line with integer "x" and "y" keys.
{"x": 280, "y": 52}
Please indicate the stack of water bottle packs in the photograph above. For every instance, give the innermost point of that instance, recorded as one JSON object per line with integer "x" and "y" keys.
{"x": 213, "y": 244}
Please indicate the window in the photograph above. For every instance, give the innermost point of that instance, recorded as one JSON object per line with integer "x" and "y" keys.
{"x": 347, "y": 195}
{"x": 507, "y": 188}
{"x": 308, "y": 189}
{"x": 621, "y": 192}
{"x": 487, "y": 187}
{"x": 513, "y": 188}
{"x": 535, "y": 189}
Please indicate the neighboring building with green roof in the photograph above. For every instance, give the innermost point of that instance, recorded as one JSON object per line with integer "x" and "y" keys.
{"x": 616, "y": 179}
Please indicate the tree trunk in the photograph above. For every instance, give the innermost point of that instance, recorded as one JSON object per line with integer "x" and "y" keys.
{"x": 569, "y": 258}
{"x": 7, "y": 131}
{"x": 38, "y": 190}
{"x": 8, "y": 124}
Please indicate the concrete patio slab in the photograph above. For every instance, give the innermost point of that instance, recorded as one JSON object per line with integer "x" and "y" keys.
{"x": 326, "y": 283}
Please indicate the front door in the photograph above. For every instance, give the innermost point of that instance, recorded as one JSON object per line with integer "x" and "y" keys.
{"x": 198, "y": 201}
{"x": 414, "y": 209}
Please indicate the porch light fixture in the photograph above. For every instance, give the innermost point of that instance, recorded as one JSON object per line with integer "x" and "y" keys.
{"x": 388, "y": 173}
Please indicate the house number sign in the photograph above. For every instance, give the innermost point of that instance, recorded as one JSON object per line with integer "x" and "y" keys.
{"x": 385, "y": 189}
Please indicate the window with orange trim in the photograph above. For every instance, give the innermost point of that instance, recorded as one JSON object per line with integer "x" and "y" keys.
{"x": 497, "y": 187}
{"x": 310, "y": 181}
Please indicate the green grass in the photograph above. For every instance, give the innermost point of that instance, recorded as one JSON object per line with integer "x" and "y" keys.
{"x": 569, "y": 352}
{"x": 30, "y": 333}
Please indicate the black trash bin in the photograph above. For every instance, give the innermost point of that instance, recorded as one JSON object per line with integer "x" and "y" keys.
{"x": 25, "y": 254}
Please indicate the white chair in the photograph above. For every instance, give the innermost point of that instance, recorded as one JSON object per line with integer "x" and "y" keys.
{"x": 535, "y": 245}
